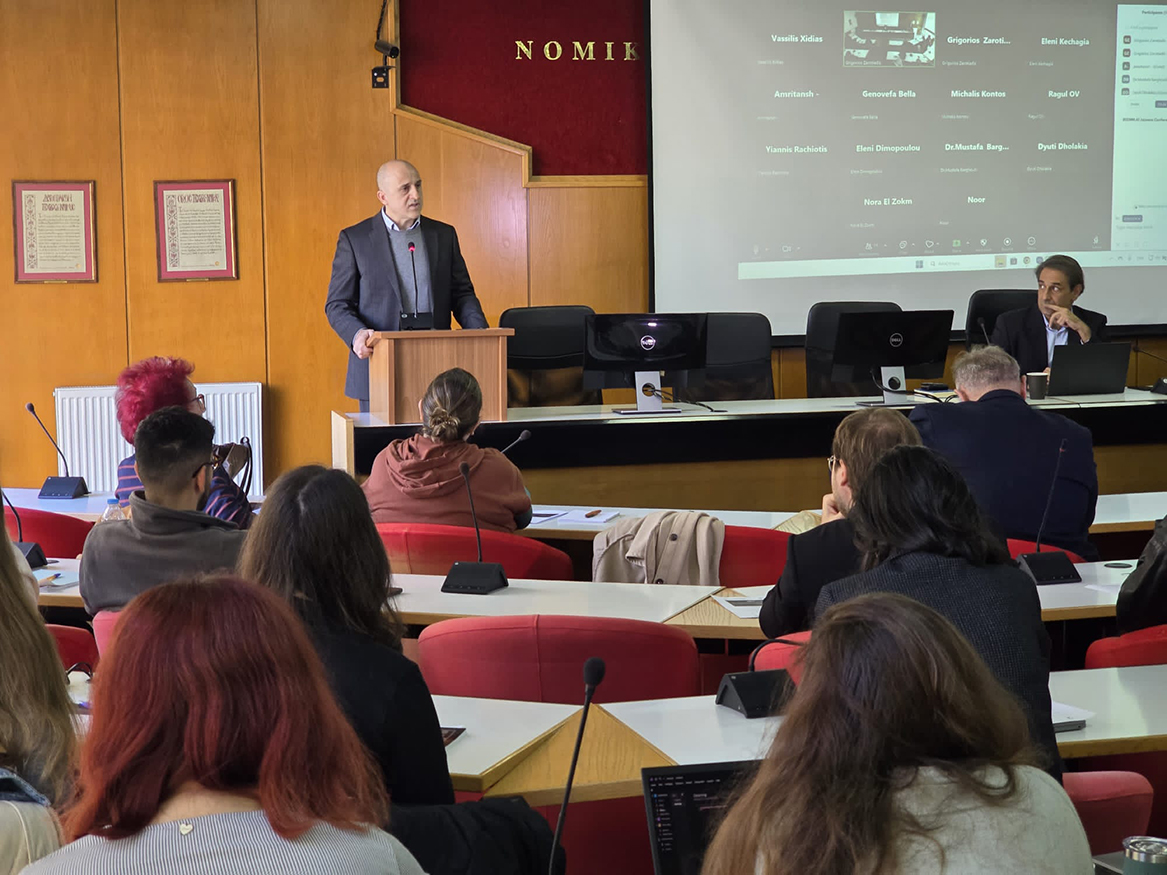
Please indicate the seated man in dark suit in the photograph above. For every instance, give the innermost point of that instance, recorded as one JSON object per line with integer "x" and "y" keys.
{"x": 923, "y": 536}
{"x": 1007, "y": 452}
{"x": 828, "y": 552}
{"x": 1030, "y": 334}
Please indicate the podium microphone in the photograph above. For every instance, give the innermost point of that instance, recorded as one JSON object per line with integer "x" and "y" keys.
{"x": 525, "y": 434}
{"x": 984, "y": 331}
{"x": 30, "y": 549}
{"x": 474, "y": 578}
{"x": 58, "y": 487}
{"x": 416, "y": 321}
{"x": 1053, "y": 566}
{"x": 593, "y": 673}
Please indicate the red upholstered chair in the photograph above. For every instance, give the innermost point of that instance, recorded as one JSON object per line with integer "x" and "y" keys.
{"x": 540, "y": 659}
{"x": 1143, "y": 647}
{"x": 752, "y": 557}
{"x": 74, "y": 645}
{"x": 59, "y": 534}
{"x": 103, "y": 626}
{"x": 779, "y": 655}
{"x": 1017, "y": 547}
{"x": 423, "y": 548}
{"x": 1111, "y": 806}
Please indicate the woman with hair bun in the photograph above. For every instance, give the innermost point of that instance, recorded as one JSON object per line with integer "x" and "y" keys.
{"x": 417, "y": 480}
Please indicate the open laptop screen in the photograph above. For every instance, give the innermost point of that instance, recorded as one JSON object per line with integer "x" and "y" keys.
{"x": 685, "y": 804}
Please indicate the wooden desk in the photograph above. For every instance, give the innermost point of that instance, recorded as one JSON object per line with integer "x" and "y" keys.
{"x": 559, "y": 529}
{"x": 1130, "y": 707}
{"x": 64, "y": 596}
{"x": 88, "y": 507}
{"x": 1065, "y": 601}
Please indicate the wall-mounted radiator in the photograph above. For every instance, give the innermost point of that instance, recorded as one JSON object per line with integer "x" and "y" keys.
{"x": 87, "y": 429}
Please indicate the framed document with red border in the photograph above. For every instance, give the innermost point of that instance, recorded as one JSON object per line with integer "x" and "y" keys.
{"x": 195, "y": 222}
{"x": 53, "y": 232}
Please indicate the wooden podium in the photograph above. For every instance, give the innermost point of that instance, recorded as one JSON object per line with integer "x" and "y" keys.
{"x": 404, "y": 363}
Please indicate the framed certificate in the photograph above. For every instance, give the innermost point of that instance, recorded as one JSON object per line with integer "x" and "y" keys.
{"x": 195, "y": 221}
{"x": 53, "y": 232}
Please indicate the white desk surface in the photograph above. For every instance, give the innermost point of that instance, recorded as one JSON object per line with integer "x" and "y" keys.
{"x": 89, "y": 507}
{"x": 1064, "y": 597}
{"x": 60, "y": 596}
{"x": 558, "y": 527}
{"x": 423, "y": 601}
{"x": 1128, "y": 704}
{"x": 696, "y": 730}
{"x": 496, "y": 729}
{"x": 1131, "y": 507}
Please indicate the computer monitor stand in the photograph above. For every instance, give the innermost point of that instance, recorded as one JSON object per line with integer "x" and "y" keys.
{"x": 648, "y": 396}
{"x": 895, "y": 391}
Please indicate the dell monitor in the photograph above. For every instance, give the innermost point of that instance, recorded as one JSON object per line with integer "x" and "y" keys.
{"x": 631, "y": 349}
{"x": 900, "y": 344}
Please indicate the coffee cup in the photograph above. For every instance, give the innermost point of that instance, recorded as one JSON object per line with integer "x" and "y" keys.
{"x": 1037, "y": 384}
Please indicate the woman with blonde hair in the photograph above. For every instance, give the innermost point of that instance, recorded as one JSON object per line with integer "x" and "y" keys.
{"x": 37, "y": 732}
{"x": 419, "y": 480}
{"x": 899, "y": 753}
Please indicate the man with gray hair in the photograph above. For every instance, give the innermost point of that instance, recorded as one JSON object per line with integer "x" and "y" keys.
{"x": 1008, "y": 452}
{"x": 396, "y": 271}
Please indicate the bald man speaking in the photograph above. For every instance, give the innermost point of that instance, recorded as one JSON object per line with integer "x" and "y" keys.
{"x": 396, "y": 271}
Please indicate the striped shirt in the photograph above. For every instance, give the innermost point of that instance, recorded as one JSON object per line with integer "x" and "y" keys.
{"x": 240, "y": 843}
{"x": 227, "y": 500}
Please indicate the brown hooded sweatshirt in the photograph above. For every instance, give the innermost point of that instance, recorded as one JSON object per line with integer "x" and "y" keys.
{"x": 417, "y": 481}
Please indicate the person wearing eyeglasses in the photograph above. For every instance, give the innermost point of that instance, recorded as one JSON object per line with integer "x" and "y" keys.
{"x": 168, "y": 534}
{"x": 158, "y": 382}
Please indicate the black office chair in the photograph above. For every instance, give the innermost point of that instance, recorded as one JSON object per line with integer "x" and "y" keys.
{"x": 545, "y": 356}
{"x": 822, "y": 326}
{"x": 737, "y": 360}
{"x": 988, "y": 304}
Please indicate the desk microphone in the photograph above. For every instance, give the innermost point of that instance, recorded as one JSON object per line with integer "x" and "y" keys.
{"x": 1053, "y": 566}
{"x": 415, "y": 321}
{"x": 984, "y": 331}
{"x": 593, "y": 673}
{"x": 1160, "y": 387}
{"x": 30, "y": 549}
{"x": 525, "y": 434}
{"x": 474, "y": 578}
{"x": 58, "y": 487}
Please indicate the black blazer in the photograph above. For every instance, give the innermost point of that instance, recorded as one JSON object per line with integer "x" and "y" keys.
{"x": 995, "y": 607}
{"x": 390, "y": 707}
{"x": 1021, "y": 333}
{"x": 1007, "y": 451}
{"x": 363, "y": 291}
{"x": 814, "y": 558}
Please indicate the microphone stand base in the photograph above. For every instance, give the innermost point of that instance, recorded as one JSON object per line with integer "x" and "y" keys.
{"x": 63, "y": 487}
{"x": 475, "y": 578}
{"x": 1045, "y": 567}
{"x": 32, "y": 552}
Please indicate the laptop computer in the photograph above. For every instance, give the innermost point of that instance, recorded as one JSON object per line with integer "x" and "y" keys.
{"x": 1089, "y": 369}
{"x": 685, "y": 804}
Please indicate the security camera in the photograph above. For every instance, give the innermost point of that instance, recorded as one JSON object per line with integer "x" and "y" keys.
{"x": 386, "y": 48}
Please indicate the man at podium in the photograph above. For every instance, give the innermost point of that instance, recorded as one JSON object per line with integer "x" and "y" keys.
{"x": 396, "y": 271}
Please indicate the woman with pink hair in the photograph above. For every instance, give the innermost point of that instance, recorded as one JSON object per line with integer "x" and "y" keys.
{"x": 158, "y": 382}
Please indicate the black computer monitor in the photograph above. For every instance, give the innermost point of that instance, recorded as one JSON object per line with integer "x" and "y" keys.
{"x": 891, "y": 345}
{"x": 617, "y": 346}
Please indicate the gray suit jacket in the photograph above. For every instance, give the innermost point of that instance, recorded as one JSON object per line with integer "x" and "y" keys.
{"x": 363, "y": 291}
{"x": 995, "y": 607}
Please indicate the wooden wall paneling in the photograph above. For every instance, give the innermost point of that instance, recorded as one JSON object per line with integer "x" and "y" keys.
{"x": 590, "y": 246}
{"x": 59, "y": 102}
{"x": 792, "y": 372}
{"x": 324, "y": 134}
{"x": 190, "y": 110}
{"x": 1131, "y": 468}
{"x": 479, "y": 190}
{"x": 1148, "y": 370}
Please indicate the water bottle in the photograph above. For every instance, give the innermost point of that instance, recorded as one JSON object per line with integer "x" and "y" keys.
{"x": 113, "y": 511}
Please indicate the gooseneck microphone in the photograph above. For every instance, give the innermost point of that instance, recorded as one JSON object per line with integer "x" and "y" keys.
{"x": 1053, "y": 566}
{"x": 593, "y": 673}
{"x": 474, "y": 578}
{"x": 1160, "y": 385}
{"x": 984, "y": 331}
{"x": 31, "y": 550}
{"x": 525, "y": 434}
{"x": 413, "y": 262}
{"x": 58, "y": 487}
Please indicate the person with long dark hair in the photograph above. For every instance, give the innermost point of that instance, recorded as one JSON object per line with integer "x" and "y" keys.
{"x": 418, "y": 479}
{"x": 922, "y": 535}
{"x": 316, "y": 546}
{"x": 217, "y": 747}
{"x": 900, "y": 753}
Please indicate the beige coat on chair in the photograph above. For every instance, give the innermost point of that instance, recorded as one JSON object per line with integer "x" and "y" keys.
{"x": 666, "y": 546}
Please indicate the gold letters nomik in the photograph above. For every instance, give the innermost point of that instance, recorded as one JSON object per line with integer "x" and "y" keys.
{"x": 580, "y": 51}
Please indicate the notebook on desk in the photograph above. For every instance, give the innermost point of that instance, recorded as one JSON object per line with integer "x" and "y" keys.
{"x": 684, "y": 808}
